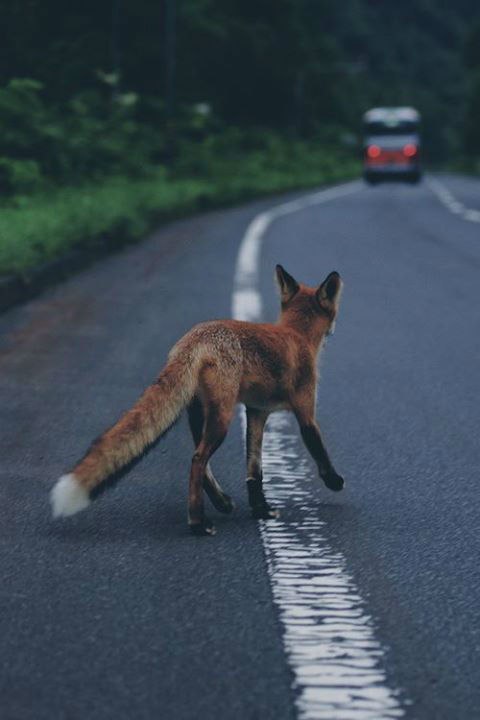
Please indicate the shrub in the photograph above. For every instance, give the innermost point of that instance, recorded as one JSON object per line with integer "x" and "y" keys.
{"x": 19, "y": 177}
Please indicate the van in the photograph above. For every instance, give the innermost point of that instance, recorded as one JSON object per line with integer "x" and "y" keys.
{"x": 391, "y": 148}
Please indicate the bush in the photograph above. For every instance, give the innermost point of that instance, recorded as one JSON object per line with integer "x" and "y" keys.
{"x": 19, "y": 177}
{"x": 93, "y": 136}
{"x": 43, "y": 226}
{"x": 472, "y": 123}
{"x": 104, "y": 148}
{"x": 23, "y": 118}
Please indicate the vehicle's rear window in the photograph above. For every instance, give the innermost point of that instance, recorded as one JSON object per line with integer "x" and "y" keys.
{"x": 394, "y": 127}
{"x": 391, "y": 141}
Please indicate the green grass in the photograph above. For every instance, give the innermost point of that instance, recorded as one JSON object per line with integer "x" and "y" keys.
{"x": 38, "y": 228}
{"x": 465, "y": 166}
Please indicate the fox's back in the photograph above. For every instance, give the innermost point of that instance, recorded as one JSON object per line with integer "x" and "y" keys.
{"x": 267, "y": 363}
{"x": 277, "y": 363}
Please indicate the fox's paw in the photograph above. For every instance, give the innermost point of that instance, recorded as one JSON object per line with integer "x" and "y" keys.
{"x": 222, "y": 503}
{"x": 226, "y": 505}
{"x": 205, "y": 527}
{"x": 264, "y": 511}
{"x": 334, "y": 482}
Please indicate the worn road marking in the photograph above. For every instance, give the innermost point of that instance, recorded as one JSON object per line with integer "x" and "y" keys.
{"x": 450, "y": 202}
{"x": 329, "y": 638}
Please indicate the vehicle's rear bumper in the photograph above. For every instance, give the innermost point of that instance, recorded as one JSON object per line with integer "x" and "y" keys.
{"x": 412, "y": 171}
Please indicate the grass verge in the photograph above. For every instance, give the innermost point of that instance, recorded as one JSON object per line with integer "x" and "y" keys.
{"x": 43, "y": 227}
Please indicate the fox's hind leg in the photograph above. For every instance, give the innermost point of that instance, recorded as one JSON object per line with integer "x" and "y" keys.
{"x": 219, "y": 499}
{"x": 305, "y": 414}
{"x": 218, "y": 395}
{"x": 256, "y": 420}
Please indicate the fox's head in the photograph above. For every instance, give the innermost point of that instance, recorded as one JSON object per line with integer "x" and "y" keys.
{"x": 317, "y": 307}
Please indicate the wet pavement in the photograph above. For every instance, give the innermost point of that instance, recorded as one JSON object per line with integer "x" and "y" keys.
{"x": 119, "y": 613}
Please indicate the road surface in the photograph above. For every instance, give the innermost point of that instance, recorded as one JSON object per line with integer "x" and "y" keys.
{"x": 118, "y": 613}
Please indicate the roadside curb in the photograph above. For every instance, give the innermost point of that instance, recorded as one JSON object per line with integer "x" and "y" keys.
{"x": 16, "y": 289}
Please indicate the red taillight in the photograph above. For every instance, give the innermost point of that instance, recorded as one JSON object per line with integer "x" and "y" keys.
{"x": 410, "y": 150}
{"x": 373, "y": 151}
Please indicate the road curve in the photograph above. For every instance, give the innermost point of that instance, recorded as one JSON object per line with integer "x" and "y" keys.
{"x": 118, "y": 612}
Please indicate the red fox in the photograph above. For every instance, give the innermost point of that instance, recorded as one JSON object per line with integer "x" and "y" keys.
{"x": 217, "y": 364}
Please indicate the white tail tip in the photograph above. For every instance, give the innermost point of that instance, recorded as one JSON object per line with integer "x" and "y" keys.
{"x": 68, "y": 497}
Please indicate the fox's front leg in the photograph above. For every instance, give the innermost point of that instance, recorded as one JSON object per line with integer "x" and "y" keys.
{"x": 256, "y": 420}
{"x": 312, "y": 438}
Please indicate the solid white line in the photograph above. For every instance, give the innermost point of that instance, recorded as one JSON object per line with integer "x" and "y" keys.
{"x": 247, "y": 301}
{"x": 329, "y": 639}
{"x": 451, "y": 203}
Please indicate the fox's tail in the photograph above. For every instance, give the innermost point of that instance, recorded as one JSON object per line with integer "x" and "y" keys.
{"x": 151, "y": 416}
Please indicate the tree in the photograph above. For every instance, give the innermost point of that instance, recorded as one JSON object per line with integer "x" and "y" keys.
{"x": 472, "y": 115}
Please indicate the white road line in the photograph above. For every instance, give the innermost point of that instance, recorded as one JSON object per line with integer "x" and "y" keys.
{"x": 247, "y": 301}
{"x": 451, "y": 203}
{"x": 329, "y": 639}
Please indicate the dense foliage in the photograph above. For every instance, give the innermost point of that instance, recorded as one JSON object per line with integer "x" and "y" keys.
{"x": 302, "y": 65}
{"x": 472, "y": 125}
{"x": 236, "y": 95}
{"x": 120, "y": 209}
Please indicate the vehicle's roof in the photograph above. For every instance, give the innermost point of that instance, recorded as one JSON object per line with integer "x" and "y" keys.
{"x": 382, "y": 114}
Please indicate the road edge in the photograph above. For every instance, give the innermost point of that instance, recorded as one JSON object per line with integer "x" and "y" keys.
{"x": 16, "y": 289}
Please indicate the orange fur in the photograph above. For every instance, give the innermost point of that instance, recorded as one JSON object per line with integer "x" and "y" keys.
{"x": 214, "y": 366}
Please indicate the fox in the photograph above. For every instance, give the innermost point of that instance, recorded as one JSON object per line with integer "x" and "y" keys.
{"x": 216, "y": 365}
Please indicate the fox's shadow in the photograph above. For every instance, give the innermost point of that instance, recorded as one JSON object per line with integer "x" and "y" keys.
{"x": 133, "y": 522}
{"x": 143, "y": 512}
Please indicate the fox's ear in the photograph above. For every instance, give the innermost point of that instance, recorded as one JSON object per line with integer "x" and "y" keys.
{"x": 287, "y": 284}
{"x": 329, "y": 292}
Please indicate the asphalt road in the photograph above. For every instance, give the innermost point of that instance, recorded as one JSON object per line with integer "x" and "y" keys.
{"x": 118, "y": 613}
